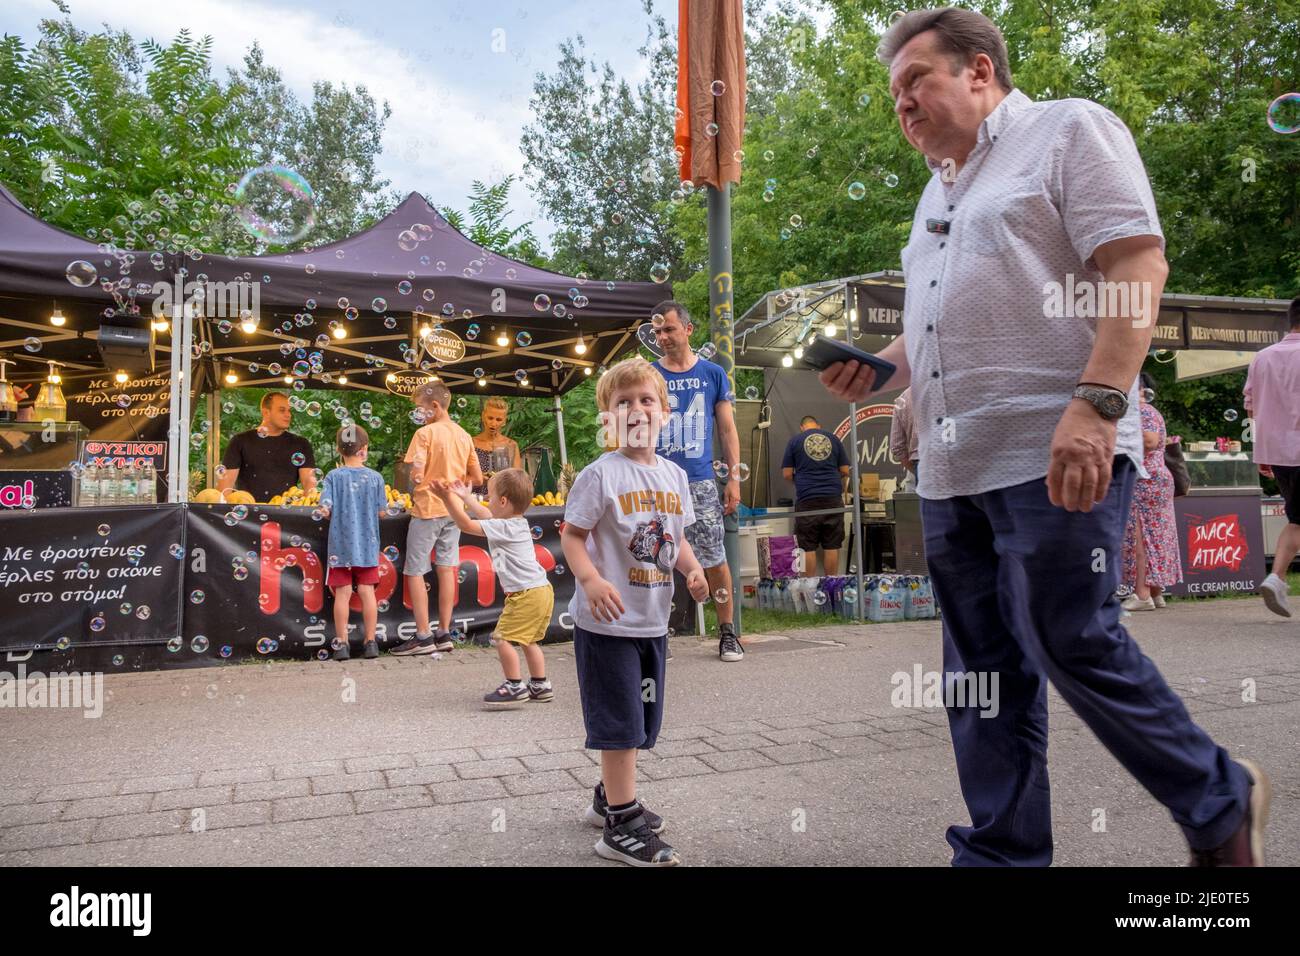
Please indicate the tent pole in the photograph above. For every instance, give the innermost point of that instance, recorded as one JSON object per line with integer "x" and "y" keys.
{"x": 174, "y": 410}
{"x": 722, "y": 333}
{"x": 559, "y": 426}
{"x": 857, "y": 507}
{"x": 214, "y": 432}
{"x": 186, "y": 384}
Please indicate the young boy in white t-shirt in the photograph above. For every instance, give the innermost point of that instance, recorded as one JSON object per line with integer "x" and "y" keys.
{"x": 530, "y": 598}
{"x": 624, "y": 534}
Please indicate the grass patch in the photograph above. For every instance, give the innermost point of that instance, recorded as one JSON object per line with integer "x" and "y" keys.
{"x": 755, "y": 620}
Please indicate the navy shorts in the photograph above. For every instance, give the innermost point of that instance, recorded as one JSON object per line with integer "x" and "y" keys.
{"x": 621, "y": 683}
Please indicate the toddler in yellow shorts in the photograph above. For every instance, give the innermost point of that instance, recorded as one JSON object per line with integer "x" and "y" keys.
{"x": 529, "y": 596}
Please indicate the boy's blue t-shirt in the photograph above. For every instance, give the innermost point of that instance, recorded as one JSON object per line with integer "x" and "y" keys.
{"x": 816, "y": 456}
{"x": 687, "y": 436}
{"x": 355, "y": 496}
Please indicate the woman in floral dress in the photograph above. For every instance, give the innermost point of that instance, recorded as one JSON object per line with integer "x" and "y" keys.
{"x": 1151, "y": 559}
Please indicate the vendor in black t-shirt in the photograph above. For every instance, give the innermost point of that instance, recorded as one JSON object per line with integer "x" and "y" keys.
{"x": 817, "y": 464}
{"x": 268, "y": 460}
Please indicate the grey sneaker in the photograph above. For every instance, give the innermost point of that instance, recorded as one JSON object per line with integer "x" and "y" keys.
{"x": 729, "y": 648}
{"x": 371, "y": 650}
{"x": 631, "y": 841}
{"x": 505, "y": 695}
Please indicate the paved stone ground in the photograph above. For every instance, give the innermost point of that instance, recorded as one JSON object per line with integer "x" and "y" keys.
{"x": 414, "y": 772}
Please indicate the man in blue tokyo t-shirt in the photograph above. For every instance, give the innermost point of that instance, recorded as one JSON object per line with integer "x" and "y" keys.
{"x": 700, "y": 395}
{"x": 817, "y": 463}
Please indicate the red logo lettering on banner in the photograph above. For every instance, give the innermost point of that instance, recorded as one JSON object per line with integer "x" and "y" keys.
{"x": 11, "y": 496}
{"x": 313, "y": 582}
{"x": 486, "y": 576}
{"x": 1215, "y": 543}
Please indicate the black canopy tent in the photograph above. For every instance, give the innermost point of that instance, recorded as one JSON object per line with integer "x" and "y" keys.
{"x": 259, "y": 316}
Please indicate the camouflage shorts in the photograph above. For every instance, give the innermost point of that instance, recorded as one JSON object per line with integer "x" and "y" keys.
{"x": 705, "y": 536}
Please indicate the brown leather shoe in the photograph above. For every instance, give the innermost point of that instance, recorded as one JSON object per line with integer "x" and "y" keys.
{"x": 1246, "y": 846}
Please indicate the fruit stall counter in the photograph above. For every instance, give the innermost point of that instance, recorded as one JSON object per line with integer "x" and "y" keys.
{"x": 142, "y": 587}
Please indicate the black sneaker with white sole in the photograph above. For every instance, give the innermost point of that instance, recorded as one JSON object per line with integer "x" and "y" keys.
{"x": 599, "y": 810}
{"x": 540, "y": 691}
{"x": 442, "y": 641}
{"x": 506, "y": 695}
{"x": 630, "y": 840}
{"x": 416, "y": 645}
{"x": 729, "y": 648}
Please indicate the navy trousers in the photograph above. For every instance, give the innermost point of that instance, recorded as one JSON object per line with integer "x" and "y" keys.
{"x": 1027, "y": 590}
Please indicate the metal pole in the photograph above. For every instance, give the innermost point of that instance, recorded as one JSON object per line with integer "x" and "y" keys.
{"x": 857, "y": 507}
{"x": 722, "y": 334}
{"x": 185, "y": 384}
{"x": 214, "y": 431}
{"x": 559, "y": 427}
{"x": 174, "y": 410}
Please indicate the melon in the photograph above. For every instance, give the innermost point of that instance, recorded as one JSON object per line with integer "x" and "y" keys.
{"x": 208, "y": 496}
{"x": 240, "y": 498}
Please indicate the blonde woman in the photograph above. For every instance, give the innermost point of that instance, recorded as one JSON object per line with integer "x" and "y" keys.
{"x": 495, "y": 451}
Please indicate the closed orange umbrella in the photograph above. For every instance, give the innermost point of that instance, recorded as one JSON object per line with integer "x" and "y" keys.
{"x": 710, "y": 90}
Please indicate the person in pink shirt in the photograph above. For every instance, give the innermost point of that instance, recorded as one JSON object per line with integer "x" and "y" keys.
{"x": 1273, "y": 400}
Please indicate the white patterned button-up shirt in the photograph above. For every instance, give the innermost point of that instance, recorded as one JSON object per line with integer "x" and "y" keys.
{"x": 1046, "y": 184}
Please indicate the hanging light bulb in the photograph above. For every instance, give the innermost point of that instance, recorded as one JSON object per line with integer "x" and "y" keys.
{"x": 798, "y": 352}
{"x": 160, "y": 324}
{"x": 503, "y": 337}
{"x": 343, "y": 379}
{"x": 482, "y": 382}
{"x": 853, "y": 315}
{"x": 57, "y": 318}
{"x": 340, "y": 332}
{"x": 586, "y": 370}
{"x": 581, "y": 347}
{"x": 392, "y": 377}
{"x": 121, "y": 377}
{"x": 830, "y": 330}
{"x": 424, "y": 331}
{"x": 786, "y": 361}
{"x": 231, "y": 377}
{"x": 247, "y": 323}
{"x": 288, "y": 380}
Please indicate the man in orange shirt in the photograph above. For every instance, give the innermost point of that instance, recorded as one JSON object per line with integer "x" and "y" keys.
{"x": 439, "y": 451}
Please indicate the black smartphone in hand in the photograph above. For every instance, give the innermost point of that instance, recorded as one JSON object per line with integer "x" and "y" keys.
{"x": 822, "y": 353}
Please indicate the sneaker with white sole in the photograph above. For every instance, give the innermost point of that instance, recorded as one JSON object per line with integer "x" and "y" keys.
{"x": 1274, "y": 590}
{"x": 630, "y": 840}
{"x": 1135, "y": 603}
{"x": 540, "y": 691}
{"x": 426, "y": 644}
{"x": 599, "y": 809}
{"x": 1158, "y": 599}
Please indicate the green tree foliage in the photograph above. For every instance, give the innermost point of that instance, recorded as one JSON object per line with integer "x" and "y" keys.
{"x": 489, "y": 208}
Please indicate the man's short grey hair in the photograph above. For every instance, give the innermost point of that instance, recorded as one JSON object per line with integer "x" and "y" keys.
{"x": 962, "y": 34}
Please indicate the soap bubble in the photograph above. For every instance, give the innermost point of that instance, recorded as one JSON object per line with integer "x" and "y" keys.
{"x": 197, "y": 596}
{"x": 63, "y": 643}
{"x": 717, "y": 87}
{"x": 721, "y": 595}
{"x": 118, "y": 660}
{"x": 542, "y": 302}
{"x": 891, "y": 180}
{"x": 126, "y": 607}
{"x": 265, "y": 645}
{"x": 721, "y": 470}
{"x": 740, "y": 472}
{"x": 751, "y": 393}
{"x": 1230, "y": 415}
{"x": 176, "y": 551}
{"x": 104, "y": 530}
{"x": 143, "y": 612}
{"x": 857, "y": 191}
{"x": 537, "y": 533}
{"x": 850, "y": 595}
{"x": 97, "y": 623}
{"x": 81, "y": 273}
{"x": 1164, "y": 356}
{"x": 391, "y": 553}
{"x": 260, "y": 203}
{"x": 524, "y": 339}
{"x": 199, "y": 645}
{"x": 659, "y": 272}
{"x": 32, "y": 344}
{"x": 1284, "y": 114}
{"x": 298, "y": 459}
{"x": 227, "y": 650}
{"x": 819, "y": 597}
{"x": 864, "y": 98}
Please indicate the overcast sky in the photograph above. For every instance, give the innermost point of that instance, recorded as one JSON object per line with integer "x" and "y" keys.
{"x": 458, "y": 107}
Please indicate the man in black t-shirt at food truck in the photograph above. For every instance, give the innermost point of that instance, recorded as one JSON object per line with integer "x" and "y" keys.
{"x": 268, "y": 460}
{"x": 817, "y": 464}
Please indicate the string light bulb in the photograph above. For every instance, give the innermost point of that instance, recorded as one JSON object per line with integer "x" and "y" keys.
{"x": 503, "y": 337}
{"x": 786, "y": 361}
{"x": 121, "y": 377}
{"x": 340, "y": 332}
{"x": 57, "y": 318}
{"x": 581, "y": 347}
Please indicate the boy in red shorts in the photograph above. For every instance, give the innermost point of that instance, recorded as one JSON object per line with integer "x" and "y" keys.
{"x": 352, "y": 497}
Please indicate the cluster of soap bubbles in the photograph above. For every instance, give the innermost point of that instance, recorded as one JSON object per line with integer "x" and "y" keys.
{"x": 275, "y": 204}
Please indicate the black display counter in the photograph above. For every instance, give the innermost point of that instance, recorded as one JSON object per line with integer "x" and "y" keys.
{"x": 152, "y": 586}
